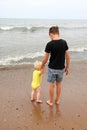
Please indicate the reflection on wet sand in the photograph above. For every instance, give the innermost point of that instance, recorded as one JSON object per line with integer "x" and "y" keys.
{"x": 54, "y": 112}
{"x": 49, "y": 114}
{"x": 36, "y": 112}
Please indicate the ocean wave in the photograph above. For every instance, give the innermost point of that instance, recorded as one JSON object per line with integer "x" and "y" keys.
{"x": 23, "y": 28}
{"x": 22, "y": 59}
{"x": 31, "y": 57}
{"x": 74, "y": 28}
{"x": 36, "y": 28}
{"x": 78, "y": 49}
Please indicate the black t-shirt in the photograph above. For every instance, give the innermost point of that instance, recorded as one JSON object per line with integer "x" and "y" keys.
{"x": 57, "y": 49}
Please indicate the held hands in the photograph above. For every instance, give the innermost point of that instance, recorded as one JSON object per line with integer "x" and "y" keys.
{"x": 42, "y": 70}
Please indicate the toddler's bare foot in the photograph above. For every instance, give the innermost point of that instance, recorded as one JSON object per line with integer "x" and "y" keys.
{"x": 32, "y": 100}
{"x": 39, "y": 101}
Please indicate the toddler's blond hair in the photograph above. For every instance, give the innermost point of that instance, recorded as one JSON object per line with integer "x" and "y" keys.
{"x": 37, "y": 64}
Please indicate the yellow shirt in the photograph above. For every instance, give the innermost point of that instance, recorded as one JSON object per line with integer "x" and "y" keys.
{"x": 36, "y": 79}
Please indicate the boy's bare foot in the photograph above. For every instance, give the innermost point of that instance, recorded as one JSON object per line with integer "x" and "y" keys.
{"x": 57, "y": 102}
{"x": 49, "y": 103}
{"x": 38, "y": 101}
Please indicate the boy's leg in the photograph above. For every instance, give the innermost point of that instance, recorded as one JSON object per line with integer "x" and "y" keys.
{"x": 39, "y": 95}
{"x": 32, "y": 95}
{"x": 58, "y": 92}
{"x": 51, "y": 93}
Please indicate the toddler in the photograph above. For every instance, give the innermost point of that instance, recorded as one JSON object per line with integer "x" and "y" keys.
{"x": 36, "y": 82}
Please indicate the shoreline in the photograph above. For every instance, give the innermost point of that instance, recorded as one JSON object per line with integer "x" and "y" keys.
{"x": 23, "y": 66}
{"x": 18, "y": 113}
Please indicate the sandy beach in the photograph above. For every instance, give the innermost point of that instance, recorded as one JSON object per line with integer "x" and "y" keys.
{"x": 18, "y": 113}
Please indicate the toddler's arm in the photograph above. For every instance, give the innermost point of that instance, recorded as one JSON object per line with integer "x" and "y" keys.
{"x": 42, "y": 71}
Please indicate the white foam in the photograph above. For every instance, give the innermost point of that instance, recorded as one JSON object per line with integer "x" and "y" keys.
{"x": 6, "y": 28}
{"x": 31, "y": 57}
{"x": 9, "y": 28}
{"x": 14, "y": 60}
{"x": 78, "y": 49}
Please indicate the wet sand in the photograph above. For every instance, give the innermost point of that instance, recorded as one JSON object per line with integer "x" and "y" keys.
{"x": 18, "y": 113}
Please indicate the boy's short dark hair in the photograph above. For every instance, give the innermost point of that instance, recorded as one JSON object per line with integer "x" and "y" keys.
{"x": 54, "y": 30}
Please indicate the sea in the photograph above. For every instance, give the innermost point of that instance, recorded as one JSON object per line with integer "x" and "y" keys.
{"x": 23, "y": 41}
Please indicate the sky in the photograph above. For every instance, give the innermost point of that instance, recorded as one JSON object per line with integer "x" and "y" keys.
{"x": 44, "y": 9}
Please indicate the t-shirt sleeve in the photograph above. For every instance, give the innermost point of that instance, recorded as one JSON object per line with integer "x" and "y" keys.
{"x": 47, "y": 48}
{"x": 66, "y": 46}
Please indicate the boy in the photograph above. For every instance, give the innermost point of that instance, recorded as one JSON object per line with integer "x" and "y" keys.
{"x": 57, "y": 49}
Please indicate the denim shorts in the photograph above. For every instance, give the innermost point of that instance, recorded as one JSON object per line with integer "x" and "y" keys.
{"x": 55, "y": 75}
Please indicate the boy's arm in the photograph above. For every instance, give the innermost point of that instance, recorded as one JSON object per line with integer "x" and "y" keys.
{"x": 67, "y": 56}
{"x": 44, "y": 61}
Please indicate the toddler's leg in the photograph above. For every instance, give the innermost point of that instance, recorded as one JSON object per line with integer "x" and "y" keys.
{"x": 32, "y": 95}
{"x": 39, "y": 95}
